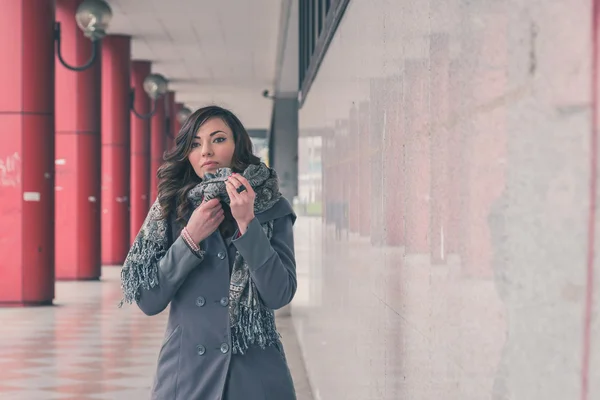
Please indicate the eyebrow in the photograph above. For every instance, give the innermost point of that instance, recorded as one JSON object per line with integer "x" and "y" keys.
{"x": 211, "y": 135}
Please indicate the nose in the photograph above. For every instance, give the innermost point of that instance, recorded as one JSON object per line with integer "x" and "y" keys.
{"x": 207, "y": 150}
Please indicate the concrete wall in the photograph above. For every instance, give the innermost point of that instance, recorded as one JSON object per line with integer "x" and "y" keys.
{"x": 453, "y": 259}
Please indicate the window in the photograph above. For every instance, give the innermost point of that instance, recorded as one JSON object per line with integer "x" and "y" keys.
{"x": 318, "y": 20}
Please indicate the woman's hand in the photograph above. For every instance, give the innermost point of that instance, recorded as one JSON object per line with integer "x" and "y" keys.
{"x": 242, "y": 203}
{"x": 205, "y": 220}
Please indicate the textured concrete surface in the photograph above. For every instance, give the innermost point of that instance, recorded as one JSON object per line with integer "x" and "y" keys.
{"x": 457, "y": 256}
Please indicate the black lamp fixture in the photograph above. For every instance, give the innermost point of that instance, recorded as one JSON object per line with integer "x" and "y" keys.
{"x": 93, "y": 17}
{"x": 155, "y": 86}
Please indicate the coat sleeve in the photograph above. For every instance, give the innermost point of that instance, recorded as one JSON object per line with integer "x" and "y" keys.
{"x": 173, "y": 269}
{"x": 272, "y": 262}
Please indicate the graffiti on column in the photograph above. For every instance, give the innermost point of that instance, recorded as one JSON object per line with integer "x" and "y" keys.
{"x": 10, "y": 170}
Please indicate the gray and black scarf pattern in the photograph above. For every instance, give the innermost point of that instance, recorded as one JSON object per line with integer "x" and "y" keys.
{"x": 251, "y": 322}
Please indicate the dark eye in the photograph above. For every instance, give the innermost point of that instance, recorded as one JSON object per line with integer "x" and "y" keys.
{"x": 219, "y": 139}
{"x": 195, "y": 144}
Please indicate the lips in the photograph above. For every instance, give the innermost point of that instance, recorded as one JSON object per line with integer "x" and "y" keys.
{"x": 209, "y": 163}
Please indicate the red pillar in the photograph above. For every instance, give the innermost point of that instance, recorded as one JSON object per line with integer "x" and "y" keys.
{"x": 170, "y": 120}
{"x": 158, "y": 142}
{"x": 27, "y": 153}
{"x": 77, "y": 153}
{"x": 418, "y": 155}
{"x": 116, "y": 62}
{"x": 140, "y": 149}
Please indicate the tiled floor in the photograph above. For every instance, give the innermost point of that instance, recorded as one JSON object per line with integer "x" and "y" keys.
{"x": 86, "y": 348}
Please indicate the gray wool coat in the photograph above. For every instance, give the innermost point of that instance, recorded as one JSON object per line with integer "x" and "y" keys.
{"x": 195, "y": 361}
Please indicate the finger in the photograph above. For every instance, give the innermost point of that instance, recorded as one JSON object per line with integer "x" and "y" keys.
{"x": 217, "y": 221}
{"x": 236, "y": 182}
{"x": 215, "y": 210}
{"x": 244, "y": 182}
{"x": 215, "y": 213}
{"x": 212, "y": 209}
{"x": 233, "y": 179}
{"x": 249, "y": 191}
{"x": 233, "y": 194}
{"x": 211, "y": 203}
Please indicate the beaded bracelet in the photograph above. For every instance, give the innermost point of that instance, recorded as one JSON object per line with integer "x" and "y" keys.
{"x": 185, "y": 234}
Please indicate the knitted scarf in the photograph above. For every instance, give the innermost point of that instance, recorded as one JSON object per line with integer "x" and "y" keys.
{"x": 251, "y": 322}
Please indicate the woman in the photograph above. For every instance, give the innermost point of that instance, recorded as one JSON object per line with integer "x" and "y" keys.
{"x": 217, "y": 246}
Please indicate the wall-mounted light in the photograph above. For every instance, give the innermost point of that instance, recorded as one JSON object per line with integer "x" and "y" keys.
{"x": 183, "y": 115}
{"x": 155, "y": 86}
{"x": 93, "y": 17}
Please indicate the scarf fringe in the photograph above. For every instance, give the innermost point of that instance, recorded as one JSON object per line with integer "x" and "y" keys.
{"x": 255, "y": 327}
{"x": 140, "y": 269}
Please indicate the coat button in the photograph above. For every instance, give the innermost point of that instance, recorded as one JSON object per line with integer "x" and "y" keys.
{"x": 201, "y": 350}
{"x": 224, "y": 348}
{"x": 200, "y": 301}
{"x": 224, "y": 301}
{"x": 221, "y": 255}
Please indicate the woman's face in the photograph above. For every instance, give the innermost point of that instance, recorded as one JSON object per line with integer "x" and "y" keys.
{"x": 212, "y": 148}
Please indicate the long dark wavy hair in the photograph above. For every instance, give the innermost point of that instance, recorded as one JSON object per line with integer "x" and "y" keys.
{"x": 176, "y": 176}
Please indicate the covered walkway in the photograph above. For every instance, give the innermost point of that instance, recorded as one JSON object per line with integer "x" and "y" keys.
{"x": 442, "y": 154}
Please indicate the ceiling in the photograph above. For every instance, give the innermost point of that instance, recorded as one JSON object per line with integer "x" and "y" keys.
{"x": 212, "y": 51}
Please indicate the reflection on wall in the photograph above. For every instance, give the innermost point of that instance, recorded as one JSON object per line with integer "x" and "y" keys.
{"x": 261, "y": 148}
{"x": 309, "y": 201}
{"x": 454, "y": 140}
